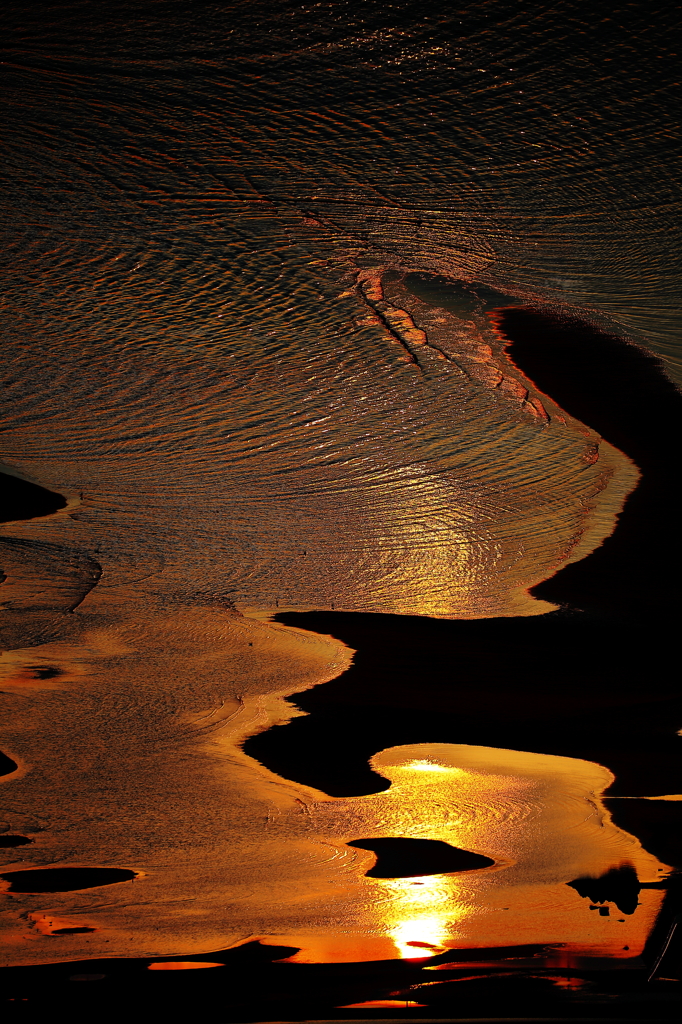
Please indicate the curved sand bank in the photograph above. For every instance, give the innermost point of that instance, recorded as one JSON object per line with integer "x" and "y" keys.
{"x": 239, "y": 436}
{"x": 574, "y": 683}
{"x": 330, "y": 472}
{"x": 157, "y": 688}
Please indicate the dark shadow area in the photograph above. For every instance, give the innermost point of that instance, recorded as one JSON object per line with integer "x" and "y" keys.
{"x": 7, "y": 765}
{"x": 9, "y": 842}
{"x": 408, "y": 858}
{"x": 47, "y": 672}
{"x": 23, "y": 500}
{"x": 656, "y": 823}
{"x": 620, "y": 391}
{"x": 618, "y": 885}
{"x": 563, "y": 683}
{"x": 71, "y": 931}
{"x": 517, "y": 983}
{"x": 64, "y": 879}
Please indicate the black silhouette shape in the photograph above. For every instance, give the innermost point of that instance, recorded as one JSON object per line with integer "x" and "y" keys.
{"x": 7, "y": 765}
{"x": 7, "y": 842}
{"x": 407, "y": 858}
{"x": 71, "y": 931}
{"x": 64, "y": 879}
{"x": 618, "y": 885}
{"x": 24, "y": 500}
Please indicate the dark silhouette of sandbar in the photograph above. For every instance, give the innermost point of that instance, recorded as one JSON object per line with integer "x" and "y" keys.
{"x": 7, "y": 765}
{"x": 71, "y": 931}
{"x": 255, "y": 985}
{"x": 622, "y": 392}
{"x": 9, "y": 842}
{"x": 406, "y": 858}
{"x": 618, "y": 885}
{"x": 23, "y": 500}
{"x": 64, "y": 879}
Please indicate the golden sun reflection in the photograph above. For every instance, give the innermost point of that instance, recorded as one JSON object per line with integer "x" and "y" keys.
{"x": 537, "y": 822}
{"x": 432, "y": 766}
{"x": 419, "y": 936}
{"x": 422, "y": 911}
{"x": 381, "y": 1003}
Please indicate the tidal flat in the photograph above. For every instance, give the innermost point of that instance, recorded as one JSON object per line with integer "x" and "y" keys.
{"x": 341, "y": 364}
{"x": 226, "y": 762}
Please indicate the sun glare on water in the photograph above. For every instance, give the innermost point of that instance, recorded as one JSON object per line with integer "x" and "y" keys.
{"x": 423, "y": 911}
{"x": 419, "y": 936}
{"x": 431, "y": 766}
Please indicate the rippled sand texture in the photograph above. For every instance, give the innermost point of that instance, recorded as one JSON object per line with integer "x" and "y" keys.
{"x": 212, "y": 350}
{"x": 226, "y": 851}
{"x": 535, "y": 149}
{"x": 323, "y": 476}
{"x": 319, "y": 456}
{"x": 116, "y": 768}
{"x": 236, "y": 420}
{"x": 538, "y": 816}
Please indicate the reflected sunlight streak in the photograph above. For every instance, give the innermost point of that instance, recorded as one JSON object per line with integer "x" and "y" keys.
{"x": 432, "y": 766}
{"x": 422, "y": 911}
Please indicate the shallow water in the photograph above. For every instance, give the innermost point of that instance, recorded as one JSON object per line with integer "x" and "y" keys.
{"x": 251, "y": 267}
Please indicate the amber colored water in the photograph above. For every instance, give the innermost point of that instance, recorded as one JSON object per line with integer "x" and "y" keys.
{"x": 255, "y": 269}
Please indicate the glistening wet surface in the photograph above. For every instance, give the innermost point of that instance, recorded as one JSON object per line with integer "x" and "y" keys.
{"x": 336, "y": 615}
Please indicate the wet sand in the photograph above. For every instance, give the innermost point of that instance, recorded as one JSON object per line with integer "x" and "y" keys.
{"x": 539, "y": 683}
{"x": 590, "y": 680}
{"x": 241, "y": 434}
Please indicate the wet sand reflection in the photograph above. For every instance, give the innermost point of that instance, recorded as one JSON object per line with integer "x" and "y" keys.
{"x": 540, "y": 818}
{"x": 128, "y": 722}
{"x": 224, "y": 850}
